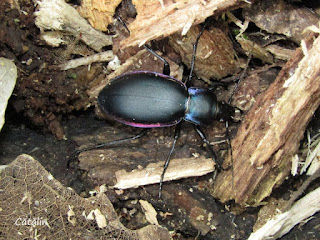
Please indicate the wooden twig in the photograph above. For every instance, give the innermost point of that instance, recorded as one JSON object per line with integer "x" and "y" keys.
{"x": 99, "y": 57}
{"x": 178, "y": 168}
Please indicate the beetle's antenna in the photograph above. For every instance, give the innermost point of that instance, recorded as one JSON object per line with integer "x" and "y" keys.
{"x": 242, "y": 75}
{"x": 227, "y": 123}
{"x": 195, "y": 46}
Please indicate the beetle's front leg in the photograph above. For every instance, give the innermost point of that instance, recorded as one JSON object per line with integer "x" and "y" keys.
{"x": 208, "y": 147}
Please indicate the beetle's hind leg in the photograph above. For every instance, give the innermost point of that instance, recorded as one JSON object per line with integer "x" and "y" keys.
{"x": 166, "y": 164}
{"x": 166, "y": 67}
{"x": 106, "y": 144}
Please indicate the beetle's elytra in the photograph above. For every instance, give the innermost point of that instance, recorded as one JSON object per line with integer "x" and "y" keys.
{"x": 144, "y": 99}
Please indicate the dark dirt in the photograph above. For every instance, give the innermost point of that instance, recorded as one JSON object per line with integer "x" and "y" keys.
{"x": 42, "y": 110}
{"x": 43, "y": 93}
{"x": 18, "y": 137}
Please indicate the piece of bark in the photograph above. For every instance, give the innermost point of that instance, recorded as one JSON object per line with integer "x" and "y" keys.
{"x": 255, "y": 49}
{"x": 272, "y": 130}
{"x": 280, "y": 17}
{"x": 149, "y": 212}
{"x": 280, "y": 224}
{"x": 60, "y": 17}
{"x": 250, "y": 87}
{"x": 98, "y": 12}
{"x": 215, "y": 56}
{"x": 158, "y": 19}
{"x": 178, "y": 168}
{"x": 199, "y": 214}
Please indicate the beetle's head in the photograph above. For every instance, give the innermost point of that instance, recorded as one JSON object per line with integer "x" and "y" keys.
{"x": 225, "y": 111}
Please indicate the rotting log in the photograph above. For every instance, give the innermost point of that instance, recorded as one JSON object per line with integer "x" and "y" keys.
{"x": 159, "y": 19}
{"x": 271, "y": 132}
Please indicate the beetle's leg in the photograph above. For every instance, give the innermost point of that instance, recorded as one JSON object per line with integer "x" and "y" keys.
{"x": 123, "y": 23}
{"x": 166, "y": 164}
{"x": 107, "y": 144}
{"x": 166, "y": 67}
{"x": 195, "y": 46}
{"x": 209, "y": 147}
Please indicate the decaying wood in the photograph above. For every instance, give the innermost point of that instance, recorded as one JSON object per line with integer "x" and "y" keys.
{"x": 158, "y": 19}
{"x": 280, "y": 52}
{"x": 215, "y": 56}
{"x": 61, "y": 18}
{"x": 149, "y": 212}
{"x": 178, "y": 168}
{"x": 281, "y": 17}
{"x": 312, "y": 162}
{"x": 128, "y": 166}
{"x": 99, "y": 57}
{"x": 272, "y": 130}
{"x": 198, "y": 213}
{"x": 98, "y": 12}
{"x": 256, "y": 50}
{"x": 282, "y": 223}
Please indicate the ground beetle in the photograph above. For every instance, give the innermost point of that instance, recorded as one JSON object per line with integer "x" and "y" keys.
{"x": 146, "y": 99}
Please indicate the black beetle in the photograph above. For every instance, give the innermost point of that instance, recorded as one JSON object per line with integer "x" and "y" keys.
{"x": 147, "y": 99}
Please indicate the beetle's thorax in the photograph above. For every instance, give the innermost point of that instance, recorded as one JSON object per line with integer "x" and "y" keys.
{"x": 201, "y": 106}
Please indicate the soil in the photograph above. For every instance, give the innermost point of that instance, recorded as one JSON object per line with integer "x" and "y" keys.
{"x": 42, "y": 121}
{"x": 18, "y": 137}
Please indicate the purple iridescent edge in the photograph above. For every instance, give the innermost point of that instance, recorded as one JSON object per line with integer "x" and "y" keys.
{"x": 141, "y": 125}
